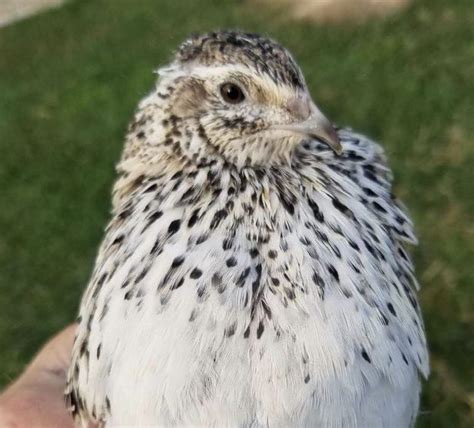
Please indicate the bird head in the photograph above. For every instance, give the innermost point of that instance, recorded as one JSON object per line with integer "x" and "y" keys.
{"x": 240, "y": 97}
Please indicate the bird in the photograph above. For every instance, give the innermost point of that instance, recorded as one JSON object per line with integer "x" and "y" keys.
{"x": 255, "y": 269}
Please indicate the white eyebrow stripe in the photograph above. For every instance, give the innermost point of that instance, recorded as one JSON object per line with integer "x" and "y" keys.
{"x": 279, "y": 92}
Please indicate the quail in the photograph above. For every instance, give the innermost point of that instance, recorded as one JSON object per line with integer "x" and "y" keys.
{"x": 254, "y": 272}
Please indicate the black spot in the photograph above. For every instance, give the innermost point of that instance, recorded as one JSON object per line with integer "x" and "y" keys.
{"x": 307, "y": 378}
{"x": 216, "y": 193}
{"x": 353, "y": 156}
{"x": 118, "y": 240}
{"x": 353, "y": 245}
{"x": 247, "y": 332}
{"x": 202, "y": 238}
{"x": 369, "y": 192}
{"x": 379, "y": 207}
{"x": 227, "y": 243}
{"x": 246, "y": 301}
{"x": 243, "y": 276}
{"x": 318, "y": 281}
{"x": 287, "y": 201}
{"x": 177, "y": 284}
{"x": 216, "y": 280}
{"x": 72, "y": 402}
{"x": 275, "y": 282}
{"x": 260, "y": 329}
{"x": 98, "y": 350}
{"x": 322, "y": 236}
{"x": 151, "y": 219}
{"x": 102, "y": 279}
{"x": 194, "y": 218}
{"x": 335, "y": 250}
{"x": 354, "y": 267}
{"x": 312, "y": 253}
{"x": 211, "y": 175}
{"x": 371, "y": 176}
{"x": 248, "y": 209}
{"x": 231, "y": 262}
{"x": 243, "y": 184}
{"x": 107, "y": 403}
{"x": 83, "y": 348}
{"x": 384, "y": 319}
{"x": 267, "y": 310}
{"x": 399, "y": 219}
{"x": 289, "y": 206}
{"x": 176, "y": 175}
{"x": 365, "y": 356}
{"x": 402, "y": 254}
{"x": 253, "y": 253}
{"x": 218, "y": 217}
{"x": 201, "y": 291}
{"x": 304, "y": 240}
{"x": 405, "y": 358}
{"x": 229, "y": 331}
{"x": 174, "y": 226}
{"x": 155, "y": 216}
{"x": 256, "y": 283}
{"x": 318, "y": 215}
{"x": 391, "y": 309}
{"x": 156, "y": 246}
{"x": 125, "y": 213}
{"x": 273, "y": 254}
{"x": 346, "y": 293}
{"x": 195, "y": 273}
{"x": 371, "y": 249}
{"x": 290, "y": 293}
{"x": 178, "y": 261}
{"x": 141, "y": 275}
{"x": 193, "y": 315}
{"x": 341, "y": 207}
{"x": 413, "y": 301}
{"x": 332, "y": 270}
{"x": 151, "y": 188}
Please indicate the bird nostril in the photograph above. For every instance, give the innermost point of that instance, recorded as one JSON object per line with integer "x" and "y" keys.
{"x": 299, "y": 107}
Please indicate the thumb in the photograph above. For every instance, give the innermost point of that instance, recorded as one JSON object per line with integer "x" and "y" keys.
{"x": 36, "y": 397}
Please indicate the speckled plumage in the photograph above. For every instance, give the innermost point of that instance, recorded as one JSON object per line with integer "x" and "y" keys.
{"x": 249, "y": 276}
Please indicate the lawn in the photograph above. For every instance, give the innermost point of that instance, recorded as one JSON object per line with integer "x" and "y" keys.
{"x": 71, "y": 78}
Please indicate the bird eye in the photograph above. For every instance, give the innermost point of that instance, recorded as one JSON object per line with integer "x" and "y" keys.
{"x": 231, "y": 93}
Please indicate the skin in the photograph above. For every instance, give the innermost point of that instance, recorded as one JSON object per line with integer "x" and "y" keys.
{"x": 36, "y": 398}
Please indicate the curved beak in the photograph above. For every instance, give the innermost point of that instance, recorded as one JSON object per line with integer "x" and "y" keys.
{"x": 315, "y": 125}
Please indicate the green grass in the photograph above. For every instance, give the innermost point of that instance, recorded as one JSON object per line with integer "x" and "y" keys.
{"x": 71, "y": 78}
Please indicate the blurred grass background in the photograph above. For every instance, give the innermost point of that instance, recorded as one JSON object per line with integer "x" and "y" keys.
{"x": 71, "y": 78}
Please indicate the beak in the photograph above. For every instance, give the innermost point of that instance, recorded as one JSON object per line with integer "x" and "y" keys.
{"x": 316, "y": 125}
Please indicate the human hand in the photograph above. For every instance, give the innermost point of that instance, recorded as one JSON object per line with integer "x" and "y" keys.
{"x": 36, "y": 398}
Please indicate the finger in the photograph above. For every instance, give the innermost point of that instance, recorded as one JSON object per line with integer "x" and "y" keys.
{"x": 36, "y": 398}
{"x": 55, "y": 355}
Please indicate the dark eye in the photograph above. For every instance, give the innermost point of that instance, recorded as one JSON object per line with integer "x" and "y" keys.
{"x": 232, "y": 93}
